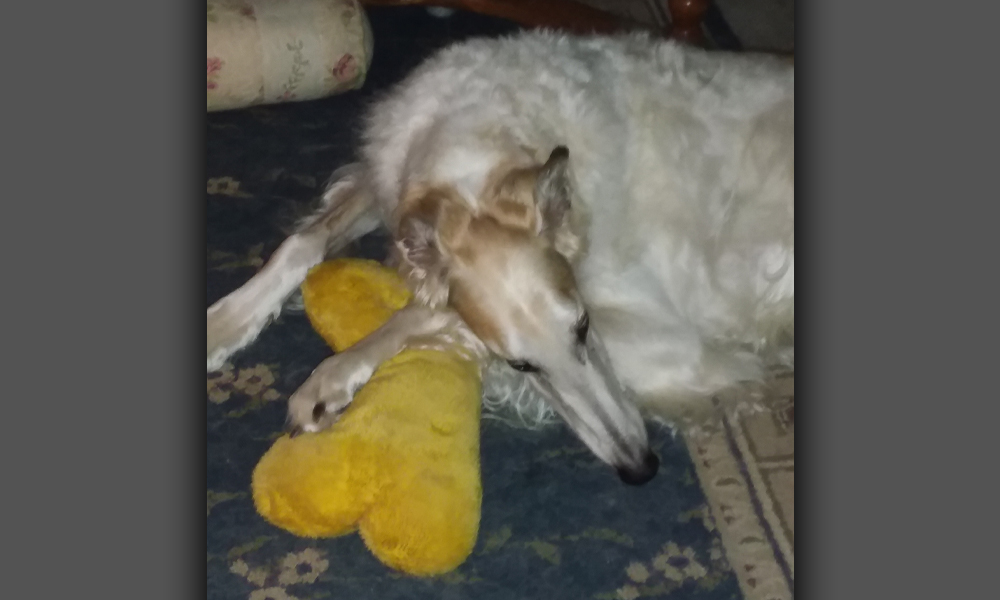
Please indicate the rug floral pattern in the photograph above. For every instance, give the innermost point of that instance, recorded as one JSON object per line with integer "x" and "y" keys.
{"x": 556, "y": 523}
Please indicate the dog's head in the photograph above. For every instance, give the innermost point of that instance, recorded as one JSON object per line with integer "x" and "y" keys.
{"x": 507, "y": 270}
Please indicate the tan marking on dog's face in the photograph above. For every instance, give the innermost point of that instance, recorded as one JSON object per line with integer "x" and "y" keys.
{"x": 502, "y": 273}
{"x": 511, "y": 288}
{"x": 505, "y": 271}
{"x": 519, "y": 296}
{"x": 464, "y": 299}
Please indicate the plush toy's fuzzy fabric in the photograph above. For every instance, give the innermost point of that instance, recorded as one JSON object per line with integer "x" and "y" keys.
{"x": 402, "y": 464}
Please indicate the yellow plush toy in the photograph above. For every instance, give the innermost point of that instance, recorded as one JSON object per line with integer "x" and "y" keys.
{"x": 401, "y": 466}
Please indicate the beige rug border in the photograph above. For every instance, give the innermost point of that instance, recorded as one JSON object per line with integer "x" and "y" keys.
{"x": 728, "y": 491}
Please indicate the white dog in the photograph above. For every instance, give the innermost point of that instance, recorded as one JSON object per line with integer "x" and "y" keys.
{"x": 612, "y": 216}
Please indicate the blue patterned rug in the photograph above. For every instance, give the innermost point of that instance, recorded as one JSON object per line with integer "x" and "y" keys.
{"x": 556, "y": 523}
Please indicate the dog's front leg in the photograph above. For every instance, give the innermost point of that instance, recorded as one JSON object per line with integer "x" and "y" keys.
{"x": 328, "y": 391}
{"x": 234, "y": 321}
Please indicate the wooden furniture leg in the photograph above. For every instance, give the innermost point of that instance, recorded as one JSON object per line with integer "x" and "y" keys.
{"x": 686, "y": 17}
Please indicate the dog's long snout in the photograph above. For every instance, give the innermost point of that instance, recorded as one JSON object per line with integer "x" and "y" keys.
{"x": 593, "y": 403}
{"x": 642, "y": 473}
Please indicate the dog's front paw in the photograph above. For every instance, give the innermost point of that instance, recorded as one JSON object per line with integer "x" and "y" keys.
{"x": 330, "y": 389}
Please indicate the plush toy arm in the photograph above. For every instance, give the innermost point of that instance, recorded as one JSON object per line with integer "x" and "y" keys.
{"x": 331, "y": 387}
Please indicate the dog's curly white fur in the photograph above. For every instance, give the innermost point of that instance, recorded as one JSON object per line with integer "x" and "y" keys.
{"x": 668, "y": 226}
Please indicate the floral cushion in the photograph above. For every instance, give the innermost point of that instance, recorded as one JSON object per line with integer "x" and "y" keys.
{"x": 270, "y": 51}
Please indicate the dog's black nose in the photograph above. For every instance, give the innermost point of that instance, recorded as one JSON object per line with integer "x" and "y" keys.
{"x": 642, "y": 474}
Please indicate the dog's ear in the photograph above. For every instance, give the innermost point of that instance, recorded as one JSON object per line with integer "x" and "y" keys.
{"x": 553, "y": 195}
{"x": 511, "y": 200}
{"x": 552, "y": 190}
{"x": 432, "y": 223}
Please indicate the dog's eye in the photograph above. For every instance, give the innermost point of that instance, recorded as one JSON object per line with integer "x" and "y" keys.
{"x": 582, "y": 329}
{"x": 523, "y": 366}
{"x": 319, "y": 410}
